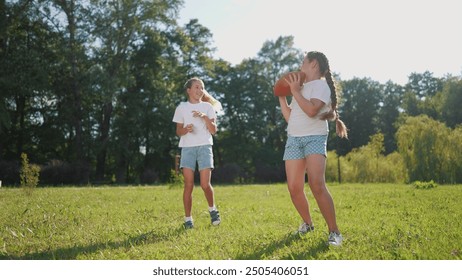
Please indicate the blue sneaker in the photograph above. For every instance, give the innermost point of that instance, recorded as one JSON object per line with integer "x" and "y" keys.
{"x": 188, "y": 225}
{"x": 215, "y": 217}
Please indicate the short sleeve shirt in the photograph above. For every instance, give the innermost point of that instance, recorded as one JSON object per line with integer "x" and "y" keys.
{"x": 200, "y": 134}
{"x": 300, "y": 124}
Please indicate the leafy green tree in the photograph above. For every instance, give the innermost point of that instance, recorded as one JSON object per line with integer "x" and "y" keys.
{"x": 25, "y": 51}
{"x": 423, "y": 143}
{"x": 194, "y": 43}
{"x": 388, "y": 112}
{"x": 361, "y": 102}
{"x": 75, "y": 58}
{"x": 369, "y": 164}
{"x": 451, "y": 98}
{"x": 237, "y": 137}
{"x": 70, "y": 86}
{"x": 454, "y": 161}
{"x": 376, "y": 146}
{"x": 424, "y": 85}
{"x": 420, "y": 90}
{"x": 144, "y": 122}
{"x": 119, "y": 26}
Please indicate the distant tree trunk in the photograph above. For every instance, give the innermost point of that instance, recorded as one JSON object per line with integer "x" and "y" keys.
{"x": 122, "y": 172}
{"x": 103, "y": 141}
{"x": 76, "y": 149}
{"x": 20, "y": 118}
{"x": 76, "y": 91}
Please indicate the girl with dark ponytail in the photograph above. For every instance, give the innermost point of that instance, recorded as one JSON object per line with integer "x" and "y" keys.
{"x": 332, "y": 115}
{"x": 312, "y": 106}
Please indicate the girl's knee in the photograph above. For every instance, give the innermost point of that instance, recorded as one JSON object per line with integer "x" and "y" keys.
{"x": 206, "y": 187}
{"x": 318, "y": 189}
{"x": 296, "y": 190}
{"x": 188, "y": 187}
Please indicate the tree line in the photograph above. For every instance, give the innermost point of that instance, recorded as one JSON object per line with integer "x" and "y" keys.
{"x": 88, "y": 91}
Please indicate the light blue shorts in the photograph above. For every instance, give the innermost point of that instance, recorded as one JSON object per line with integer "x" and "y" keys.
{"x": 303, "y": 146}
{"x": 202, "y": 155}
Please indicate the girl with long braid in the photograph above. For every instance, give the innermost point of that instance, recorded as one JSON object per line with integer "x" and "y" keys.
{"x": 313, "y": 104}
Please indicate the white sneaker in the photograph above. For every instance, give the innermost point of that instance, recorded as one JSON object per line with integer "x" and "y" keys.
{"x": 335, "y": 239}
{"x": 215, "y": 217}
{"x": 304, "y": 228}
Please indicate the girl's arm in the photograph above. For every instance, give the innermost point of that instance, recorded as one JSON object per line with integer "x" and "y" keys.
{"x": 285, "y": 109}
{"x": 180, "y": 130}
{"x": 209, "y": 123}
{"x": 312, "y": 106}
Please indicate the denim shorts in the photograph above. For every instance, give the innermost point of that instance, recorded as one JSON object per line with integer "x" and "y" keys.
{"x": 303, "y": 146}
{"x": 202, "y": 155}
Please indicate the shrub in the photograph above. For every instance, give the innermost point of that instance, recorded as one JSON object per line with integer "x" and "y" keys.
{"x": 424, "y": 185}
{"x": 367, "y": 164}
{"x": 333, "y": 164}
{"x": 176, "y": 180}
{"x": 428, "y": 148}
{"x": 29, "y": 174}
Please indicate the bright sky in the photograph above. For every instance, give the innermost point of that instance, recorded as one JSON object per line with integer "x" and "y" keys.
{"x": 383, "y": 40}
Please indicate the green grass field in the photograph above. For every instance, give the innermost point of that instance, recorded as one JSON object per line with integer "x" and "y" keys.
{"x": 379, "y": 222}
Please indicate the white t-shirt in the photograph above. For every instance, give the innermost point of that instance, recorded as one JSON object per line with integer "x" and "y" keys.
{"x": 200, "y": 134}
{"x": 300, "y": 124}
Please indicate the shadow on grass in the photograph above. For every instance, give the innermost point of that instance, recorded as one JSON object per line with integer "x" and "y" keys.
{"x": 311, "y": 253}
{"x": 71, "y": 253}
{"x": 266, "y": 251}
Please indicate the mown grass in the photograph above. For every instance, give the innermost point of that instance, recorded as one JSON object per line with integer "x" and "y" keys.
{"x": 378, "y": 221}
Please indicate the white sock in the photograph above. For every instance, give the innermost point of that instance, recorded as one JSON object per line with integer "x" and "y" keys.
{"x": 213, "y": 208}
{"x": 188, "y": 219}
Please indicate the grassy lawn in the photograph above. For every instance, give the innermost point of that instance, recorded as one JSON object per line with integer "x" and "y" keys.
{"x": 378, "y": 221}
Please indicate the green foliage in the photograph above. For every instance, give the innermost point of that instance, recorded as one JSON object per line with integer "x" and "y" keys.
{"x": 29, "y": 174}
{"x": 389, "y": 113}
{"x": 367, "y": 164}
{"x": 424, "y": 85}
{"x": 378, "y": 222}
{"x": 333, "y": 164}
{"x": 424, "y": 185}
{"x": 359, "y": 110}
{"x": 428, "y": 148}
{"x": 449, "y": 100}
{"x": 453, "y": 164}
{"x": 176, "y": 180}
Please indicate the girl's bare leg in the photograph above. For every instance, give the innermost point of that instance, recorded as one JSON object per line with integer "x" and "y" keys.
{"x": 295, "y": 171}
{"x": 316, "y": 167}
